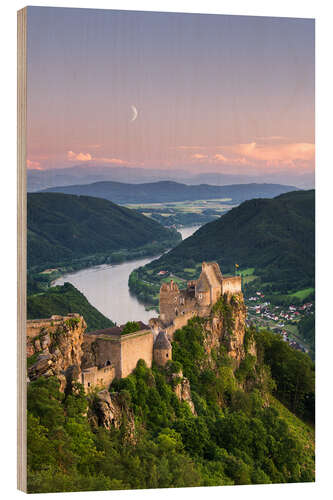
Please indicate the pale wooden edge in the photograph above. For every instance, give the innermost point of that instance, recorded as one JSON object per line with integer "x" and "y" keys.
{"x": 21, "y": 249}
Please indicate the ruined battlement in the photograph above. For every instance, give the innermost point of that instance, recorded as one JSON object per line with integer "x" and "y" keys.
{"x": 36, "y": 326}
{"x": 232, "y": 285}
{"x": 169, "y": 287}
{"x": 100, "y": 356}
{"x": 178, "y": 306}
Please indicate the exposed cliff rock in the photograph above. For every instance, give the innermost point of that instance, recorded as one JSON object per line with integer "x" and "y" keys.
{"x": 58, "y": 350}
{"x": 182, "y": 389}
{"x": 112, "y": 411}
{"x": 226, "y": 327}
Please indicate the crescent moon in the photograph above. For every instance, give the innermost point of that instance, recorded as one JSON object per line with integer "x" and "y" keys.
{"x": 135, "y": 113}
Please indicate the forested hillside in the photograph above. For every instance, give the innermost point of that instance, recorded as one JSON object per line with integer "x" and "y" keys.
{"x": 239, "y": 433}
{"x": 62, "y": 300}
{"x": 275, "y": 237}
{"x": 62, "y": 228}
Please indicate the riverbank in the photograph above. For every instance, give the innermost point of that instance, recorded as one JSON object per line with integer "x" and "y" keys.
{"x": 106, "y": 287}
{"x": 41, "y": 278}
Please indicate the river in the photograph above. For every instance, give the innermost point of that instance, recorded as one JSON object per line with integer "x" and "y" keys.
{"x": 106, "y": 287}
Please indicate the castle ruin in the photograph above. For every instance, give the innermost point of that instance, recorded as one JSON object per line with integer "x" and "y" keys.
{"x": 178, "y": 306}
{"x": 103, "y": 355}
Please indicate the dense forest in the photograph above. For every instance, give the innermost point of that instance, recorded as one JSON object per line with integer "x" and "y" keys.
{"x": 164, "y": 191}
{"x": 63, "y": 300}
{"x": 64, "y": 228}
{"x": 242, "y": 432}
{"x": 275, "y": 237}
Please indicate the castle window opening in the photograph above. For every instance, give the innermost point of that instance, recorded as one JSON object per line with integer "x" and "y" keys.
{"x": 88, "y": 384}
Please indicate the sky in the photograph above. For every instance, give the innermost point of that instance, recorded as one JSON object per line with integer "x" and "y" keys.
{"x": 228, "y": 94}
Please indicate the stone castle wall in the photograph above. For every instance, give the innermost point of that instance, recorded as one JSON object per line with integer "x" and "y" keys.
{"x": 232, "y": 285}
{"x": 169, "y": 298}
{"x": 101, "y": 356}
{"x": 95, "y": 376}
{"x": 177, "y": 323}
{"x": 36, "y": 326}
{"x": 135, "y": 346}
{"x": 106, "y": 350}
{"x": 122, "y": 351}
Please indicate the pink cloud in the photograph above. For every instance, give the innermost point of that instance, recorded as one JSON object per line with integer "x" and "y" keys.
{"x": 78, "y": 156}
{"x": 190, "y": 147}
{"x": 289, "y": 155}
{"x": 198, "y": 156}
{"x": 220, "y": 157}
{"x": 84, "y": 157}
{"x": 34, "y": 164}
{"x": 230, "y": 160}
{"x": 269, "y": 138}
{"x": 117, "y": 161}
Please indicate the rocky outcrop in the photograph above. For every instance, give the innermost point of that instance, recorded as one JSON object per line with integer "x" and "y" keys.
{"x": 182, "y": 389}
{"x": 58, "y": 351}
{"x": 112, "y": 411}
{"x": 226, "y": 327}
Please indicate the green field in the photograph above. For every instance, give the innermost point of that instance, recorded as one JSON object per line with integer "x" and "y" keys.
{"x": 247, "y": 272}
{"x": 175, "y": 279}
{"x": 218, "y": 205}
{"x": 302, "y": 294}
{"x": 247, "y": 275}
{"x": 217, "y": 202}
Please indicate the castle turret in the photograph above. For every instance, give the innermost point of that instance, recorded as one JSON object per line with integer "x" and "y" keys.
{"x": 169, "y": 301}
{"x": 162, "y": 349}
{"x": 202, "y": 291}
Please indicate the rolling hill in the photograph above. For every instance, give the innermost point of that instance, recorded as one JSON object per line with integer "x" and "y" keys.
{"x": 62, "y": 300}
{"x": 86, "y": 173}
{"x": 168, "y": 191}
{"x": 276, "y": 237}
{"x": 62, "y": 228}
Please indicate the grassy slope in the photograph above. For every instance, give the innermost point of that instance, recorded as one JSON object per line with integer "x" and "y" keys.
{"x": 63, "y": 227}
{"x": 304, "y": 432}
{"x": 62, "y": 300}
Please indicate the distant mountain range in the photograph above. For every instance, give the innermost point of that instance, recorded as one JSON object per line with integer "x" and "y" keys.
{"x": 86, "y": 174}
{"x": 168, "y": 191}
{"x": 63, "y": 227}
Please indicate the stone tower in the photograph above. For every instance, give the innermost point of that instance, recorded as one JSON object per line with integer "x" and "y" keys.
{"x": 169, "y": 301}
{"x": 162, "y": 349}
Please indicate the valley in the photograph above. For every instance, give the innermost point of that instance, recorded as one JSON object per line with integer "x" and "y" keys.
{"x": 197, "y": 382}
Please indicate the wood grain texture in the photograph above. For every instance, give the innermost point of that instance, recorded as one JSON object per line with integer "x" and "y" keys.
{"x": 21, "y": 248}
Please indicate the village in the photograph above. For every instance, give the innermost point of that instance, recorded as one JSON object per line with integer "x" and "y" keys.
{"x": 280, "y": 319}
